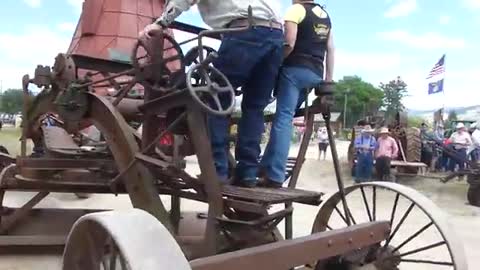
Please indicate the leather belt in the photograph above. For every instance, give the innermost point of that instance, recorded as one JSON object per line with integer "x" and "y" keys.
{"x": 256, "y": 22}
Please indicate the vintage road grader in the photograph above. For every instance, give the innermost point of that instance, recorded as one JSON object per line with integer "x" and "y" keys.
{"x": 383, "y": 226}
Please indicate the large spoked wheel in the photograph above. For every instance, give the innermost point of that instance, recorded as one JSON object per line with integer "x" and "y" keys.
{"x": 123, "y": 240}
{"x": 420, "y": 237}
{"x": 154, "y": 66}
{"x": 213, "y": 86}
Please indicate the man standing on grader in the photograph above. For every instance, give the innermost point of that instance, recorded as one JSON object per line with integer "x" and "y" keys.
{"x": 252, "y": 60}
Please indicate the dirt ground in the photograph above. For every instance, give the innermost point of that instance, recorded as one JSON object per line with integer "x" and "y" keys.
{"x": 316, "y": 175}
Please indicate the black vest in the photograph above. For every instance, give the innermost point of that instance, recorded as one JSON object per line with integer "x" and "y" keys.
{"x": 311, "y": 45}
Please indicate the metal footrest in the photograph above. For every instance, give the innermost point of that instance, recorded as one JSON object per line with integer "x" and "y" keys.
{"x": 58, "y": 140}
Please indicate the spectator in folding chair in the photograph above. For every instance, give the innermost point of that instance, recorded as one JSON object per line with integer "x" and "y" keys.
{"x": 387, "y": 149}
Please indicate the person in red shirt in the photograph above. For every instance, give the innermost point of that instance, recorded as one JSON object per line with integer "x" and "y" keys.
{"x": 387, "y": 149}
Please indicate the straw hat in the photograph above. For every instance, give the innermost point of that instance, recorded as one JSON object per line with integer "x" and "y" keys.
{"x": 384, "y": 130}
{"x": 460, "y": 125}
{"x": 367, "y": 129}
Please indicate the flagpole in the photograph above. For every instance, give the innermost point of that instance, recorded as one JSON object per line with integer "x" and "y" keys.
{"x": 444, "y": 75}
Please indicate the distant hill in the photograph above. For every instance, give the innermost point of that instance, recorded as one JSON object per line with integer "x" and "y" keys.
{"x": 464, "y": 113}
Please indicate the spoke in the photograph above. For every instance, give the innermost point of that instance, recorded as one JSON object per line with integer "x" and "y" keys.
{"x": 217, "y": 101}
{"x": 374, "y": 201}
{"x": 392, "y": 217}
{"x": 341, "y": 215}
{"x": 413, "y": 236}
{"x": 351, "y": 216}
{"x": 122, "y": 262}
{"x": 202, "y": 89}
{"x": 427, "y": 262}
{"x": 113, "y": 258}
{"x": 421, "y": 249}
{"x": 224, "y": 89}
{"x": 366, "y": 204}
{"x": 400, "y": 223}
{"x": 330, "y": 228}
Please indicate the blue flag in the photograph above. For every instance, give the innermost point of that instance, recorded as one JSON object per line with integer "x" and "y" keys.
{"x": 436, "y": 77}
{"x": 435, "y": 87}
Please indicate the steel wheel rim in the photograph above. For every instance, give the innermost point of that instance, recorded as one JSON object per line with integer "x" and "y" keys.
{"x": 437, "y": 217}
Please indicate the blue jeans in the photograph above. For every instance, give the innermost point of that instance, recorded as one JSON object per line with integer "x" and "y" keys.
{"x": 292, "y": 87}
{"x": 364, "y": 167}
{"x": 461, "y": 154}
{"x": 250, "y": 60}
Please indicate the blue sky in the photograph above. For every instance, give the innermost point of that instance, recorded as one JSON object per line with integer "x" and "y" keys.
{"x": 375, "y": 39}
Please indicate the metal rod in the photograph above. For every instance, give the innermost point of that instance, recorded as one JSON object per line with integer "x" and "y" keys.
{"x": 341, "y": 215}
{"x": 395, "y": 203}
{"x": 413, "y": 236}
{"x": 422, "y": 249}
{"x": 336, "y": 165}
{"x": 374, "y": 200}
{"x": 366, "y": 204}
{"x": 427, "y": 262}
{"x": 400, "y": 223}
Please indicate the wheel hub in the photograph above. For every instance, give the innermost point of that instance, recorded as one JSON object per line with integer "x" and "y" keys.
{"x": 385, "y": 260}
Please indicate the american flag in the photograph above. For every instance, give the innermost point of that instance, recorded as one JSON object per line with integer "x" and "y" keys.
{"x": 438, "y": 69}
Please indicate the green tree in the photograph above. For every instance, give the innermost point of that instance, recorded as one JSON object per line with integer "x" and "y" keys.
{"x": 11, "y": 101}
{"x": 415, "y": 121}
{"x": 452, "y": 116}
{"x": 393, "y": 92}
{"x": 362, "y": 98}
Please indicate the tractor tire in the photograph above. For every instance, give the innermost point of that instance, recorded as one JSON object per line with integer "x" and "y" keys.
{"x": 414, "y": 145}
{"x": 473, "y": 195}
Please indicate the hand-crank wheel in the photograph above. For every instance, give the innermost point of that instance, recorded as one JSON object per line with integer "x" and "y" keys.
{"x": 123, "y": 240}
{"x": 152, "y": 69}
{"x": 192, "y": 56}
{"x": 213, "y": 86}
{"x": 420, "y": 238}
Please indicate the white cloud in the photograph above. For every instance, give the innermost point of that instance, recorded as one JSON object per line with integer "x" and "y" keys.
{"x": 472, "y": 3}
{"x": 67, "y": 27}
{"x": 365, "y": 61}
{"x": 277, "y": 7}
{"x": 401, "y": 8}
{"x": 445, "y": 19}
{"x": 18, "y": 56}
{"x": 33, "y": 3}
{"x": 429, "y": 40}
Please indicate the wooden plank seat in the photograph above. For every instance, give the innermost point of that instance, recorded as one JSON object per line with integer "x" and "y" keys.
{"x": 269, "y": 196}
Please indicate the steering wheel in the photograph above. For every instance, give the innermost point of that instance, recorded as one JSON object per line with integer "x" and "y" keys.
{"x": 210, "y": 88}
{"x": 151, "y": 68}
{"x": 192, "y": 56}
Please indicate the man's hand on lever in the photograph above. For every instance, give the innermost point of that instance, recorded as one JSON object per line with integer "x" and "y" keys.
{"x": 173, "y": 9}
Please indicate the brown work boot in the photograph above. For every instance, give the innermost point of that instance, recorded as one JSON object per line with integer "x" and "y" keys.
{"x": 267, "y": 183}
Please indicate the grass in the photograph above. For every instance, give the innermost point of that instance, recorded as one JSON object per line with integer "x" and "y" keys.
{"x": 10, "y": 139}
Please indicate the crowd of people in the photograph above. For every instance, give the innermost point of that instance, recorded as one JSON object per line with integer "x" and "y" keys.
{"x": 450, "y": 154}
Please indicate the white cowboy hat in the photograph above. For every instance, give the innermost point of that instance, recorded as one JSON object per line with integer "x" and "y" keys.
{"x": 367, "y": 129}
{"x": 384, "y": 130}
{"x": 460, "y": 125}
